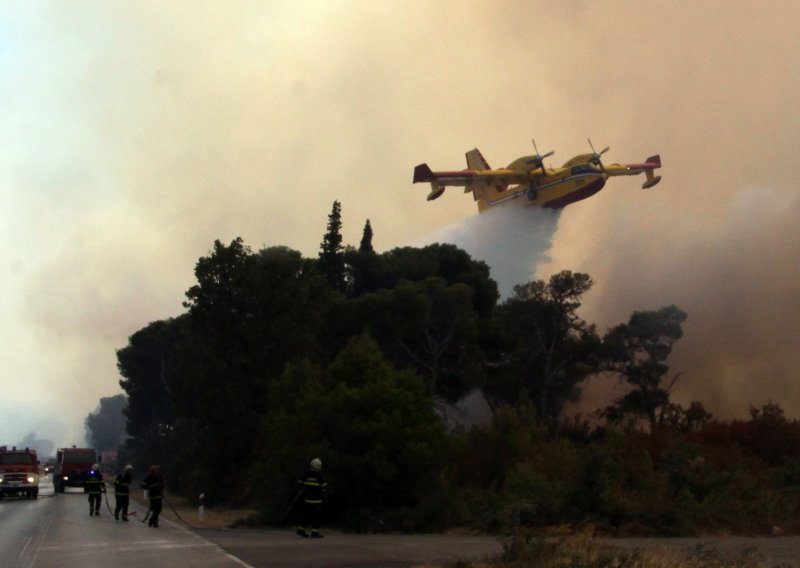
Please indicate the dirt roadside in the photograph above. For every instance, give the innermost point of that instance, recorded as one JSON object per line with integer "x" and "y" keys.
{"x": 212, "y": 518}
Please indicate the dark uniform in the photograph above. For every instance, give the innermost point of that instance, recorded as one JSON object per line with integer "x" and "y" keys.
{"x": 122, "y": 491}
{"x": 154, "y": 484}
{"x": 314, "y": 490}
{"x": 95, "y": 487}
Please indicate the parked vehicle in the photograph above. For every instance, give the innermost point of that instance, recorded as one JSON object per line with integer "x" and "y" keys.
{"x": 19, "y": 472}
{"x": 72, "y": 467}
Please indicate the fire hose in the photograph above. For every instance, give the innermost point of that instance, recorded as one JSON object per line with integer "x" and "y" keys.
{"x": 177, "y": 514}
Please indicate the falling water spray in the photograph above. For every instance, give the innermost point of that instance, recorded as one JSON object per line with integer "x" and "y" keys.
{"x": 513, "y": 241}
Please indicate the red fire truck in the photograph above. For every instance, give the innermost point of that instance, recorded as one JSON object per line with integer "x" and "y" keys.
{"x": 19, "y": 472}
{"x": 72, "y": 467}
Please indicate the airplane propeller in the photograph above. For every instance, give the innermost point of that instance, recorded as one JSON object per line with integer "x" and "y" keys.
{"x": 596, "y": 156}
{"x": 538, "y": 159}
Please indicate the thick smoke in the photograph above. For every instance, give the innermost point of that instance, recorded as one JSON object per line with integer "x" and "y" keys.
{"x": 136, "y": 136}
{"x": 734, "y": 272}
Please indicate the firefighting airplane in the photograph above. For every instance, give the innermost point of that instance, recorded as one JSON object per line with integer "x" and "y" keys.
{"x": 528, "y": 182}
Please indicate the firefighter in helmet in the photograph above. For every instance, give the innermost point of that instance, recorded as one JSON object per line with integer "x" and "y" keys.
{"x": 314, "y": 488}
{"x": 122, "y": 488}
{"x": 95, "y": 487}
{"x": 154, "y": 484}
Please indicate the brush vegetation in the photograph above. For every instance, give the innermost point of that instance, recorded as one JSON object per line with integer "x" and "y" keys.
{"x": 524, "y": 551}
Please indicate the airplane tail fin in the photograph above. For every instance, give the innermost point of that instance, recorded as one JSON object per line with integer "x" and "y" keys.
{"x": 423, "y": 173}
{"x": 476, "y": 161}
{"x": 652, "y": 162}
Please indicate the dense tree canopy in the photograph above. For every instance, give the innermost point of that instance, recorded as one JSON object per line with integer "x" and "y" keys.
{"x": 147, "y": 366}
{"x": 355, "y": 356}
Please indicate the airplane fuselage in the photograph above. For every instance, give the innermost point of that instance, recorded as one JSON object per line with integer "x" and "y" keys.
{"x": 556, "y": 190}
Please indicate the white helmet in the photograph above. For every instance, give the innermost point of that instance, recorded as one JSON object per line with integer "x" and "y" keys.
{"x": 316, "y": 464}
{"x": 128, "y": 467}
{"x": 96, "y": 466}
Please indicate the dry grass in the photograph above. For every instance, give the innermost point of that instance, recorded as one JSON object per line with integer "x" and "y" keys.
{"x": 213, "y": 517}
{"x": 584, "y": 552}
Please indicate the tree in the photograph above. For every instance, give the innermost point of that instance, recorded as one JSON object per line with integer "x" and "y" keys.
{"x": 249, "y": 315}
{"x": 146, "y": 365}
{"x": 364, "y": 267}
{"x": 445, "y": 261}
{"x": 366, "y": 239}
{"x": 331, "y": 254}
{"x": 426, "y": 308}
{"x": 149, "y": 366}
{"x": 373, "y": 427}
{"x": 680, "y": 419}
{"x": 549, "y": 350}
{"x": 635, "y": 353}
{"x": 105, "y": 427}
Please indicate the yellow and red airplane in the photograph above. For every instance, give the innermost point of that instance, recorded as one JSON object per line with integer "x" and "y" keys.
{"x": 527, "y": 182}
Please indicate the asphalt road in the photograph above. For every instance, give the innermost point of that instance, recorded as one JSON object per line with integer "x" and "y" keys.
{"x": 57, "y": 531}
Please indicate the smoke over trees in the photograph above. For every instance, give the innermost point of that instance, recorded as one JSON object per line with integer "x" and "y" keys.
{"x": 105, "y": 427}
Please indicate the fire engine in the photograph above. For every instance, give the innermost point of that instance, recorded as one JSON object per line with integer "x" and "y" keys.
{"x": 72, "y": 467}
{"x": 19, "y": 472}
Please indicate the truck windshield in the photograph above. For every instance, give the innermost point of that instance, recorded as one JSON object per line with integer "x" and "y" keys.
{"x": 79, "y": 457}
{"x": 17, "y": 459}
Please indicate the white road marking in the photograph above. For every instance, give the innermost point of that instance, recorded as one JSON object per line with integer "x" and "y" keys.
{"x": 24, "y": 548}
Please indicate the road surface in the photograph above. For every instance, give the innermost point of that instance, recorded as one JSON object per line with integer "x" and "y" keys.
{"x": 57, "y": 531}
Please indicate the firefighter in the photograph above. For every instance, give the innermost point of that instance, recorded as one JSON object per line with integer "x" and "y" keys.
{"x": 154, "y": 484}
{"x": 95, "y": 487}
{"x": 122, "y": 488}
{"x": 313, "y": 489}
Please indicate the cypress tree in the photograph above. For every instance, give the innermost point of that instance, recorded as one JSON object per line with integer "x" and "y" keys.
{"x": 366, "y": 239}
{"x": 331, "y": 254}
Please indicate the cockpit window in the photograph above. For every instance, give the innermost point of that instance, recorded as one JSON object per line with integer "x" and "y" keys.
{"x": 582, "y": 169}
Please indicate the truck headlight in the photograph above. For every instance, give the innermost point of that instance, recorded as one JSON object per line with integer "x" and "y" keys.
{"x": 31, "y": 478}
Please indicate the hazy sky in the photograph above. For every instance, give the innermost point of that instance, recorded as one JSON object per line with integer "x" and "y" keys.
{"x": 135, "y": 133}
